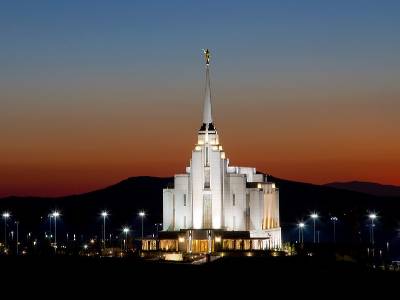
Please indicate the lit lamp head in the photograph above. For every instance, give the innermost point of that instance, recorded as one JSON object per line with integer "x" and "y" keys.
{"x": 334, "y": 219}
{"x": 55, "y": 214}
{"x": 142, "y": 214}
{"x": 314, "y": 216}
{"x": 301, "y": 225}
{"x": 372, "y": 216}
{"x": 125, "y": 229}
{"x": 6, "y": 215}
{"x": 104, "y": 214}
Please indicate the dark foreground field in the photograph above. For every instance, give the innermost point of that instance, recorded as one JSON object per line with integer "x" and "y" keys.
{"x": 244, "y": 274}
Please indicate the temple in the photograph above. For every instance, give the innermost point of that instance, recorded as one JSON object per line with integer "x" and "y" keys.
{"x": 215, "y": 207}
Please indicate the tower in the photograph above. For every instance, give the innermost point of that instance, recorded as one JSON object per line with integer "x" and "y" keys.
{"x": 207, "y": 167}
{"x": 213, "y": 199}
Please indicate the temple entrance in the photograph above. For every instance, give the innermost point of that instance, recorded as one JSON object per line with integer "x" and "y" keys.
{"x": 201, "y": 246}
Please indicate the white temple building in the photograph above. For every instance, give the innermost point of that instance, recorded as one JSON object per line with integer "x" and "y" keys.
{"x": 217, "y": 207}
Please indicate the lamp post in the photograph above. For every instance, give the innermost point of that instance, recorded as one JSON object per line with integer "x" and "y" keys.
{"x": 55, "y": 215}
{"x": 6, "y": 215}
{"x": 314, "y": 216}
{"x": 142, "y": 214}
{"x": 104, "y": 214}
{"x": 301, "y": 235}
{"x": 17, "y": 223}
{"x": 334, "y": 220}
{"x": 157, "y": 224}
{"x": 125, "y": 230}
{"x": 50, "y": 216}
{"x": 372, "y": 217}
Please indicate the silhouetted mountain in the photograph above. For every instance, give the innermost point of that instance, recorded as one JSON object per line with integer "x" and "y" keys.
{"x": 371, "y": 188}
{"x": 124, "y": 199}
{"x": 299, "y": 199}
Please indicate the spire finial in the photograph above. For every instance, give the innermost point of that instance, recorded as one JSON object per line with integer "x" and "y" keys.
{"x": 207, "y": 56}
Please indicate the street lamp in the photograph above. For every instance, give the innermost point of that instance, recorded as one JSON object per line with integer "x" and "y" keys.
{"x": 301, "y": 234}
{"x": 314, "y": 216}
{"x": 142, "y": 214}
{"x": 334, "y": 220}
{"x": 6, "y": 215}
{"x": 372, "y": 217}
{"x": 55, "y": 215}
{"x": 125, "y": 230}
{"x": 104, "y": 214}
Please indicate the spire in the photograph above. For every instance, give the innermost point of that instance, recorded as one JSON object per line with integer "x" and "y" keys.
{"x": 207, "y": 116}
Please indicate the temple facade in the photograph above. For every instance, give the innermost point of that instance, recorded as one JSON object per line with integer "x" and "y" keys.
{"x": 214, "y": 206}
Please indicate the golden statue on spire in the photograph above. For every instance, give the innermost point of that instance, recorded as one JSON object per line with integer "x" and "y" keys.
{"x": 207, "y": 56}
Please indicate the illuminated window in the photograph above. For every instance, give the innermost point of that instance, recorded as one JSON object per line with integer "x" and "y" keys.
{"x": 228, "y": 244}
{"x": 238, "y": 244}
{"x": 207, "y": 211}
{"x": 247, "y": 211}
{"x": 149, "y": 245}
{"x": 206, "y": 177}
{"x": 246, "y": 244}
{"x": 169, "y": 245}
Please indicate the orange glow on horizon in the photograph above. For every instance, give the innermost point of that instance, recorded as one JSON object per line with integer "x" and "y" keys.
{"x": 101, "y": 136}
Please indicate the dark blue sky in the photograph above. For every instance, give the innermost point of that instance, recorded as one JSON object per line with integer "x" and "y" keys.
{"x": 149, "y": 35}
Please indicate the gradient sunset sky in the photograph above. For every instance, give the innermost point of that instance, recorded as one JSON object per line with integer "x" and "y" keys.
{"x": 92, "y": 92}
